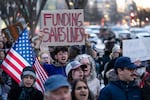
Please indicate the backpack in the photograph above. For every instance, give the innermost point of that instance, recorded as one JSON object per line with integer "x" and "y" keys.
{"x": 145, "y": 86}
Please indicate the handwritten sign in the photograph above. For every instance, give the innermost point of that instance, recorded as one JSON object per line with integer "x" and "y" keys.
{"x": 137, "y": 49}
{"x": 62, "y": 27}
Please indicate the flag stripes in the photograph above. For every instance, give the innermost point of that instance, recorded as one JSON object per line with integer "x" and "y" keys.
{"x": 21, "y": 55}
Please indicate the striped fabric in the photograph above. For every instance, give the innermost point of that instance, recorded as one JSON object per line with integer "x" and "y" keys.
{"x": 20, "y": 55}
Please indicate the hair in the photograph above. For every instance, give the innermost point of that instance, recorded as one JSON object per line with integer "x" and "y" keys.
{"x": 93, "y": 71}
{"x": 41, "y": 53}
{"x": 74, "y": 84}
{"x": 3, "y": 44}
{"x": 74, "y": 51}
{"x": 69, "y": 77}
{"x": 58, "y": 49}
{"x": 1, "y": 50}
{"x": 117, "y": 69}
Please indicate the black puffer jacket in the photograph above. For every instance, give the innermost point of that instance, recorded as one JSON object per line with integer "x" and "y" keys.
{"x": 22, "y": 93}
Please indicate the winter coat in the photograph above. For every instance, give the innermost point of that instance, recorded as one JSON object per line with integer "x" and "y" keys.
{"x": 4, "y": 90}
{"x": 109, "y": 65}
{"x": 53, "y": 69}
{"x": 120, "y": 90}
{"x": 145, "y": 87}
{"x": 92, "y": 80}
{"x": 25, "y": 93}
{"x": 94, "y": 86}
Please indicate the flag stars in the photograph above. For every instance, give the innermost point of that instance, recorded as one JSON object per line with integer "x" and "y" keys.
{"x": 20, "y": 44}
{"x": 23, "y": 47}
{"x": 27, "y": 55}
{"x": 20, "y": 49}
{"x": 23, "y": 55}
{"x": 20, "y": 52}
{"x": 28, "y": 59}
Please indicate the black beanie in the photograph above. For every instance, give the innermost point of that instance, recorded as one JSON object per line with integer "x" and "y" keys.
{"x": 28, "y": 70}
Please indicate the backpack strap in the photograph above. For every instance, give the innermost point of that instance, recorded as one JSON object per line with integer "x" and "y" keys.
{"x": 143, "y": 79}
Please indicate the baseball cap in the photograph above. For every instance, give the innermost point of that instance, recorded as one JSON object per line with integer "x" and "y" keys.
{"x": 55, "y": 82}
{"x": 73, "y": 65}
{"x": 124, "y": 62}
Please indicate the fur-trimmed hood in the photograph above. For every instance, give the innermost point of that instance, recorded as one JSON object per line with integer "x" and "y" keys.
{"x": 93, "y": 65}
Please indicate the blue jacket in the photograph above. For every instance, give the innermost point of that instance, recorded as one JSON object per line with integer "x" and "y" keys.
{"x": 119, "y": 90}
{"x": 52, "y": 69}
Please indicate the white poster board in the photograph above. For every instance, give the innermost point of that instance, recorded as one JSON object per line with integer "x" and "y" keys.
{"x": 62, "y": 27}
{"x": 137, "y": 49}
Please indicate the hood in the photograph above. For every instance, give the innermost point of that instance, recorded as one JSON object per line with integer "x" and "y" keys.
{"x": 93, "y": 65}
{"x": 111, "y": 75}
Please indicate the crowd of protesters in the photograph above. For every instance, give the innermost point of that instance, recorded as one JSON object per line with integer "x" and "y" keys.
{"x": 77, "y": 73}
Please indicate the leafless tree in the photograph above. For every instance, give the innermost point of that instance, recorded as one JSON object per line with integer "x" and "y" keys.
{"x": 13, "y": 11}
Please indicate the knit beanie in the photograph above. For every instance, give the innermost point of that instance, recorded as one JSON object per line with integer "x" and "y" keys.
{"x": 28, "y": 70}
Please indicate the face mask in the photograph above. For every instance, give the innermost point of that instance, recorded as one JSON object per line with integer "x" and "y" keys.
{"x": 141, "y": 71}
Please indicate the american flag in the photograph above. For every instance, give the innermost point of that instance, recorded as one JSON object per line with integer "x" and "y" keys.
{"x": 20, "y": 55}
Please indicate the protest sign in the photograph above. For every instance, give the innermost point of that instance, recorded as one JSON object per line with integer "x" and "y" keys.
{"x": 137, "y": 49}
{"x": 12, "y": 31}
{"x": 62, "y": 27}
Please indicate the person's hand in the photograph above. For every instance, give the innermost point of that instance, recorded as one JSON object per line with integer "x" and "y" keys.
{"x": 137, "y": 62}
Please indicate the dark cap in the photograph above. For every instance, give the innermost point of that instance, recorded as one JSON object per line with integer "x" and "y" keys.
{"x": 124, "y": 62}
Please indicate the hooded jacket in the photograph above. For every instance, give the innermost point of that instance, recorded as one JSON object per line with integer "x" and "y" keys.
{"x": 92, "y": 80}
{"x": 119, "y": 90}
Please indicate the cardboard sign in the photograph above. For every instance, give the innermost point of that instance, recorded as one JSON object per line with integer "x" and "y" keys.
{"x": 12, "y": 32}
{"x": 137, "y": 49}
{"x": 62, "y": 27}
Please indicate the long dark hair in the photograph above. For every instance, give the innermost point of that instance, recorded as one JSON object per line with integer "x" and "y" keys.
{"x": 74, "y": 83}
{"x": 70, "y": 79}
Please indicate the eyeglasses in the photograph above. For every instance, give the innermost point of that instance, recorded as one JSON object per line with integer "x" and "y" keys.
{"x": 44, "y": 57}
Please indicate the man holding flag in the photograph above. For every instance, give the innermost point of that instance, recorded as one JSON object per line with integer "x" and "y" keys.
{"x": 21, "y": 55}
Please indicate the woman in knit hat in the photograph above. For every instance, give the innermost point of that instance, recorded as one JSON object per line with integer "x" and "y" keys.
{"x": 26, "y": 90}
